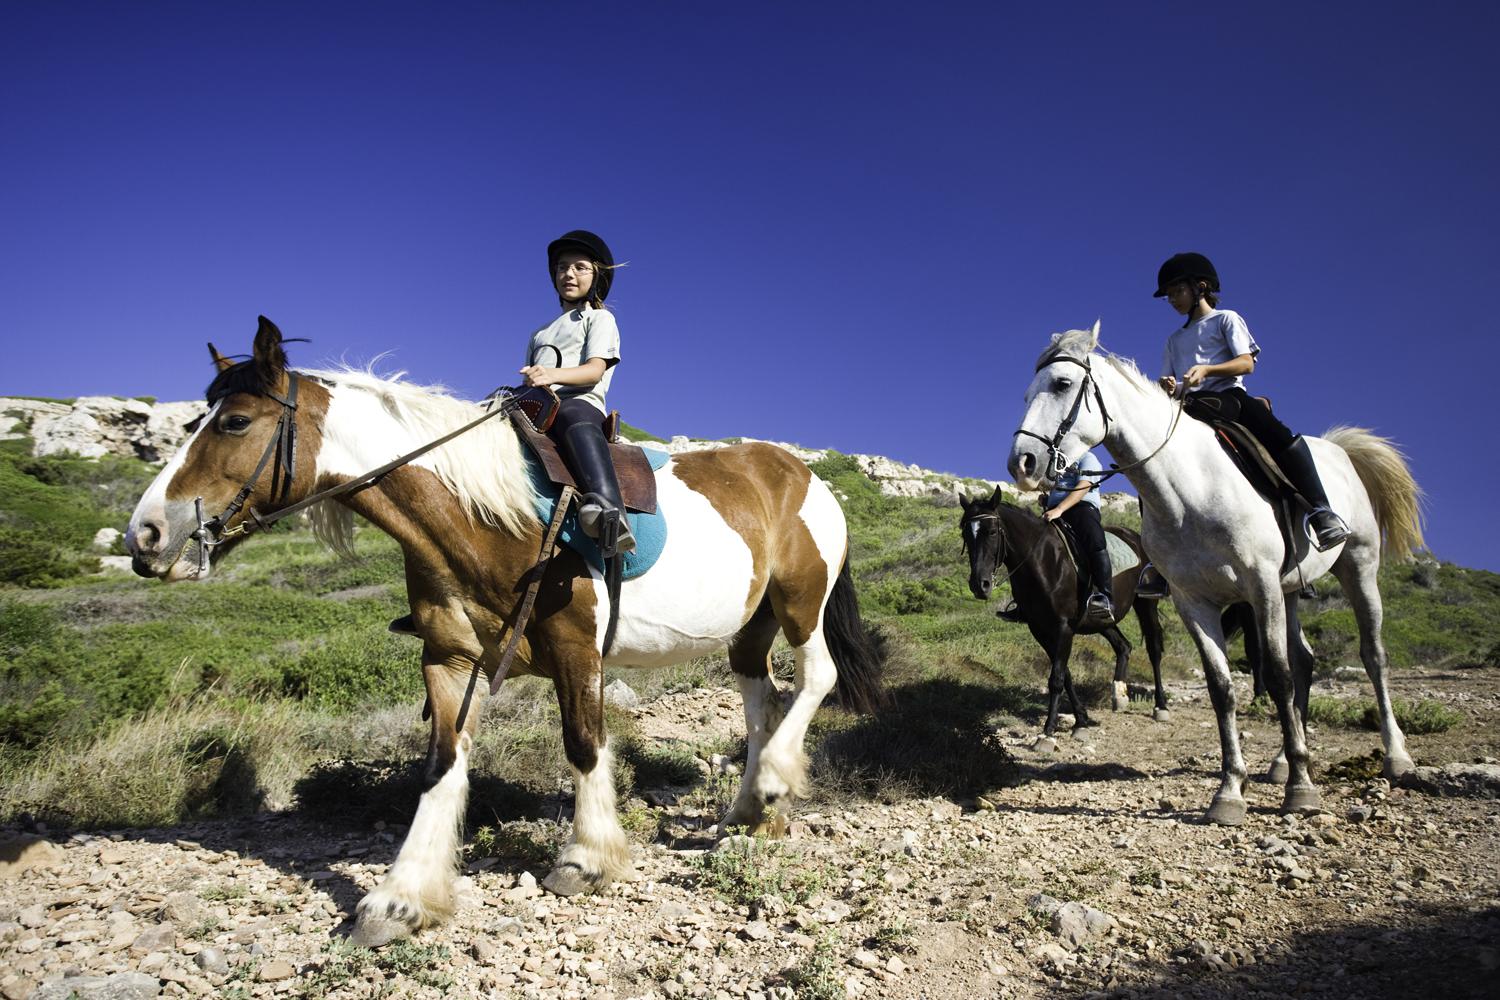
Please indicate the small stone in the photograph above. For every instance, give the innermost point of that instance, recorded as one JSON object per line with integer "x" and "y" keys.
{"x": 275, "y": 971}
{"x": 212, "y": 961}
{"x": 756, "y": 930}
{"x": 33, "y": 916}
{"x": 863, "y": 959}
{"x": 184, "y": 909}
{"x": 1360, "y": 813}
{"x": 120, "y": 986}
{"x": 895, "y": 966}
{"x": 158, "y": 938}
{"x": 620, "y": 694}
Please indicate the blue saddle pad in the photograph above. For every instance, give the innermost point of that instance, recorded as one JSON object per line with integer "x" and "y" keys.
{"x": 650, "y": 530}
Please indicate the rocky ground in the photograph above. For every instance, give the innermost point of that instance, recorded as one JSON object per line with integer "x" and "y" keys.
{"x": 1092, "y": 874}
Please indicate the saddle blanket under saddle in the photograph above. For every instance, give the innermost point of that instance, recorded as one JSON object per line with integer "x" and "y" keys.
{"x": 1121, "y": 556}
{"x": 650, "y": 530}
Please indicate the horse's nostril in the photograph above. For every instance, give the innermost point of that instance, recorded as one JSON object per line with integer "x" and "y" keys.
{"x": 148, "y": 539}
{"x": 1027, "y": 463}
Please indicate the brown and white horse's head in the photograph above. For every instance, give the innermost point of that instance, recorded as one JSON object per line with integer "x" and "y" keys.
{"x": 219, "y": 459}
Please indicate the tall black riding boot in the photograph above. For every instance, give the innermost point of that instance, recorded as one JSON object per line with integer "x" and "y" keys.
{"x": 1099, "y": 610}
{"x": 601, "y": 513}
{"x": 1328, "y": 529}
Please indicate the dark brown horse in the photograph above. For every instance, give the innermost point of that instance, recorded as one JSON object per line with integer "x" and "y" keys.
{"x": 757, "y": 547}
{"x": 1045, "y": 583}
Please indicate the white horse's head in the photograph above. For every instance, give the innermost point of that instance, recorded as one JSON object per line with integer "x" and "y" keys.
{"x": 1064, "y": 417}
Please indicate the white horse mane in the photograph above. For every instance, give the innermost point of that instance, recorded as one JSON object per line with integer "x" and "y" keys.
{"x": 484, "y": 468}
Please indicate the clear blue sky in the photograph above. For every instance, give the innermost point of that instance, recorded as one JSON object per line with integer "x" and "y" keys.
{"x": 848, "y": 225}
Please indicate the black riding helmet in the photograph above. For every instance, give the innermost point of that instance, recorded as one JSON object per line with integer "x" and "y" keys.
{"x": 586, "y": 242}
{"x": 1185, "y": 267}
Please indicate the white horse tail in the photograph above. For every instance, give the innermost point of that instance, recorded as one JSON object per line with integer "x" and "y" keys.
{"x": 1394, "y": 494}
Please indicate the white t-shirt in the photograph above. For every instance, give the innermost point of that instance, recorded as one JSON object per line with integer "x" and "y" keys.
{"x": 578, "y": 335}
{"x": 1216, "y": 338}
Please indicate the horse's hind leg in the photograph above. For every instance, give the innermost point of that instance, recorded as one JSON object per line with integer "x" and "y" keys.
{"x": 1121, "y": 646}
{"x": 1148, "y": 614}
{"x": 1355, "y": 570}
{"x": 750, "y": 659}
{"x": 597, "y": 852}
{"x": 417, "y": 891}
{"x": 1202, "y": 621}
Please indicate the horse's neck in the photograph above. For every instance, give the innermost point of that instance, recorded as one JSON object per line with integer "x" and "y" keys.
{"x": 1025, "y": 535}
{"x": 360, "y": 434}
{"x": 1170, "y": 475}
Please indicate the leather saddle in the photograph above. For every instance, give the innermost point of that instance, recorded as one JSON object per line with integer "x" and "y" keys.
{"x": 532, "y": 413}
{"x": 1258, "y": 468}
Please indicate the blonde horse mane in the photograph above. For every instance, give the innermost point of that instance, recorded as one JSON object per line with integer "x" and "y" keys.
{"x": 484, "y": 468}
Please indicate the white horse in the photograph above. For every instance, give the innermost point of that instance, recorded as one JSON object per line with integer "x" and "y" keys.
{"x": 1216, "y": 539}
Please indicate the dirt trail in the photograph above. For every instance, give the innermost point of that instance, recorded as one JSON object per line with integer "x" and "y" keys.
{"x": 1092, "y": 875}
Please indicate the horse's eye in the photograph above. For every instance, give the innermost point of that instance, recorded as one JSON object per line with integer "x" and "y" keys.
{"x": 1061, "y": 384}
{"x": 234, "y": 423}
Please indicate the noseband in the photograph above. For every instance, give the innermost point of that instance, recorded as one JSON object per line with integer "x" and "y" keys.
{"x": 214, "y": 531}
{"x": 1057, "y": 462}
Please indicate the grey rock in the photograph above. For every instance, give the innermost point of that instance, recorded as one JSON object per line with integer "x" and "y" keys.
{"x": 183, "y": 908}
{"x": 162, "y": 937}
{"x": 1079, "y": 925}
{"x": 621, "y": 695}
{"x": 120, "y": 986}
{"x": 212, "y": 960}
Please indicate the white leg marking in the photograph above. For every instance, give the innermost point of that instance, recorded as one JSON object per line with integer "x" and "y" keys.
{"x": 598, "y": 845}
{"x": 783, "y": 764}
{"x": 418, "y": 890}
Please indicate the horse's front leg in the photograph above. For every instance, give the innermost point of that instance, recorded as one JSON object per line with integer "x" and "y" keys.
{"x": 598, "y": 852}
{"x": 1057, "y": 679}
{"x": 1202, "y": 621}
{"x": 750, "y": 659}
{"x": 417, "y": 891}
{"x": 1271, "y": 625}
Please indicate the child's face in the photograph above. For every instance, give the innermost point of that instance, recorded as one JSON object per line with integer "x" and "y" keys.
{"x": 1181, "y": 298}
{"x": 574, "y": 276}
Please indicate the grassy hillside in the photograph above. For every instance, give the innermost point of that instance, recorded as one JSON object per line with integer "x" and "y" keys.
{"x": 128, "y": 701}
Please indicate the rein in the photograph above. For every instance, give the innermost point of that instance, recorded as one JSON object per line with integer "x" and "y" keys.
{"x": 213, "y": 532}
{"x": 1057, "y": 462}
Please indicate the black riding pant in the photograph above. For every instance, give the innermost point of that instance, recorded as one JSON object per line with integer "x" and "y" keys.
{"x": 570, "y": 413}
{"x": 1088, "y": 531}
{"x": 1238, "y": 405}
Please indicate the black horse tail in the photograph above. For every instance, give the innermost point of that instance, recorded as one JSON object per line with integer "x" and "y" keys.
{"x": 857, "y": 656}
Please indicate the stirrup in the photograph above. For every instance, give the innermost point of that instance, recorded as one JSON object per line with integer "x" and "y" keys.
{"x": 1151, "y": 584}
{"x": 606, "y": 525}
{"x": 1329, "y": 535}
{"x": 1011, "y": 613}
{"x": 1099, "y": 609}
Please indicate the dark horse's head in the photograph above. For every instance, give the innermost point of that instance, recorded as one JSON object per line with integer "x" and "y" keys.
{"x": 224, "y": 470}
{"x": 984, "y": 541}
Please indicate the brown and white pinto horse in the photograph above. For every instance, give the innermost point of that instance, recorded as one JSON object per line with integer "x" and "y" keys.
{"x": 756, "y": 545}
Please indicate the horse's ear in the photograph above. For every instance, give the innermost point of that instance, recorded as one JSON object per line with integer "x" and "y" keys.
{"x": 1094, "y": 335}
{"x": 270, "y": 356}
{"x": 220, "y": 362}
{"x": 998, "y": 498}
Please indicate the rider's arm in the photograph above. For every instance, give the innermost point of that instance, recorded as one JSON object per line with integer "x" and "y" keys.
{"x": 1241, "y": 365}
{"x": 588, "y": 373}
{"x": 1073, "y": 499}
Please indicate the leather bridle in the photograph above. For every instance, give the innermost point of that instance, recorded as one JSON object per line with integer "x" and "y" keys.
{"x": 1057, "y": 462}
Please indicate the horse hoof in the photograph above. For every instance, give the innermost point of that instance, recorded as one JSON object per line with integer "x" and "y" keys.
{"x": 1302, "y": 799}
{"x": 1084, "y": 723}
{"x": 1226, "y": 812}
{"x": 1395, "y": 768}
{"x": 1161, "y": 715}
{"x": 1045, "y": 744}
{"x": 375, "y": 932}
{"x": 570, "y": 880}
{"x": 774, "y": 826}
{"x": 1278, "y": 773}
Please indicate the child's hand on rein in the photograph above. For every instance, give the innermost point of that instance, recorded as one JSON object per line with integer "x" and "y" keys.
{"x": 539, "y": 375}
